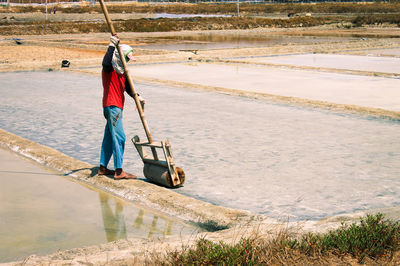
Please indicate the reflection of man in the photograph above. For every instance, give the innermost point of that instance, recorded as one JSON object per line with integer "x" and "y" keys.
{"x": 114, "y": 223}
{"x": 139, "y": 220}
{"x": 153, "y": 228}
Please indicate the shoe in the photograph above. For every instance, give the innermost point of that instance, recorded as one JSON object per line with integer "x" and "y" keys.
{"x": 105, "y": 171}
{"x": 124, "y": 175}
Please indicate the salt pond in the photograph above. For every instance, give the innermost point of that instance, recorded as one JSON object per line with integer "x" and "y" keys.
{"x": 375, "y": 92}
{"x": 350, "y": 62}
{"x": 227, "y": 40}
{"x": 43, "y": 212}
{"x": 237, "y": 152}
{"x": 394, "y": 52}
{"x": 169, "y": 15}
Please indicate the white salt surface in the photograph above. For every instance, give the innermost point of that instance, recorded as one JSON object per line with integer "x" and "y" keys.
{"x": 350, "y": 62}
{"x": 242, "y": 153}
{"x": 387, "y": 52}
{"x": 375, "y": 92}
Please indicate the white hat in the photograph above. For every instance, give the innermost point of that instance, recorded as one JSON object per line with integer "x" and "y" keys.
{"x": 116, "y": 60}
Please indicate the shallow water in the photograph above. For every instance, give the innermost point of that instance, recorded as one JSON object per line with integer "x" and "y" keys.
{"x": 169, "y": 15}
{"x": 237, "y": 152}
{"x": 203, "y": 41}
{"x": 43, "y": 212}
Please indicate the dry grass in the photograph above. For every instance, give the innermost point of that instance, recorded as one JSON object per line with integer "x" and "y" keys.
{"x": 377, "y": 19}
{"x": 210, "y": 8}
{"x": 155, "y": 25}
{"x": 372, "y": 241}
{"x": 355, "y": 14}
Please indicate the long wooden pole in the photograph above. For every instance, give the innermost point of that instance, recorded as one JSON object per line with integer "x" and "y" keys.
{"x": 138, "y": 105}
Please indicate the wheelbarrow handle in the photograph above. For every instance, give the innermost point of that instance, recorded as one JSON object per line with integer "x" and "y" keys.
{"x": 135, "y": 96}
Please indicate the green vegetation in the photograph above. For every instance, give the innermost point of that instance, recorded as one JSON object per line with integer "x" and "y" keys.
{"x": 373, "y": 237}
{"x": 372, "y": 240}
{"x": 209, "y": 253}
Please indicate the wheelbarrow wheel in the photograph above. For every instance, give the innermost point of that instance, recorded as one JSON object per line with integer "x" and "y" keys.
{"x": 161, "y": 176}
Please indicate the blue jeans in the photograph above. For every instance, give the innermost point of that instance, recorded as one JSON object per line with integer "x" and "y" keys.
{"x": 114, "y": 137}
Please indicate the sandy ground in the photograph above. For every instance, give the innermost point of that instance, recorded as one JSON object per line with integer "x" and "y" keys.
{"x": 44, "y": 52}
{"x": 85, "y": 51}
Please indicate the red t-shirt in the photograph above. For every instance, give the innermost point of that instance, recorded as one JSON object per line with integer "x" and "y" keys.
{"x": 114, "y": 88}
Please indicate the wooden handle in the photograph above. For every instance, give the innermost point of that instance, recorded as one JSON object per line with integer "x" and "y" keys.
{"x": 137, "y": 102}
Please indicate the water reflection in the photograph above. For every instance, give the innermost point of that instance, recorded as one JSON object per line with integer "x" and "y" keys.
{"x": 169, "y": 15}
{"x": 114, "y": 222}
{"x": 42, "y": 212}
{"x": 117, "y": 221}
{"x": 232, "y": 40}
{"x": 138, "y": 224}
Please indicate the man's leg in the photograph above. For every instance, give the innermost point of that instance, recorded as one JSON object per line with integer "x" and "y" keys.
{"x": 106, "y": 146}
{"x": 118, "y": 142}
{"x": 117, "y": 135}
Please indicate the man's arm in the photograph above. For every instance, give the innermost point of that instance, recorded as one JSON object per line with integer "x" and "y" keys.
{"x": 107, "y": 65}
{"x": 128, "y": 88}
{"x": 129, "y": 91}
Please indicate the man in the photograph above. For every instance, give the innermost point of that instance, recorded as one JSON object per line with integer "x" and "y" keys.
{"x": 115, "y": 83}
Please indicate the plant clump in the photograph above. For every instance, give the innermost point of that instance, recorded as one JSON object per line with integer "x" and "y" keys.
{"x": 210, "y": 253}
{"x": 373, "y": 237}
{"x": 373, "y": 240}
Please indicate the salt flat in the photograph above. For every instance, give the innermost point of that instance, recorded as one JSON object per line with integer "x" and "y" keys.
{"x": 368, "y": 63}
{"x": 393, "y": 52}
{"x": 272, "y": 159}
{"x": 365, "y": 91}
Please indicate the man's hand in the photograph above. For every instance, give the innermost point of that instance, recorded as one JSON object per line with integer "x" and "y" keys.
{"x": 142, "y": 102}
{"x": 114, "y": 41}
